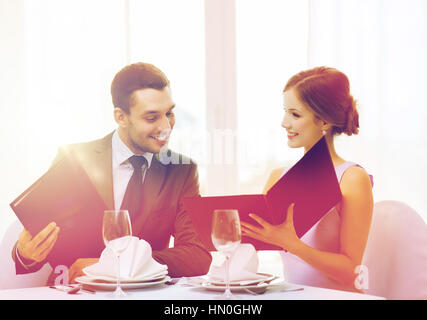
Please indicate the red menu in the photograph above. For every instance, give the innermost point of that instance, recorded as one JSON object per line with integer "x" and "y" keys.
{"x": 311, "y": 184}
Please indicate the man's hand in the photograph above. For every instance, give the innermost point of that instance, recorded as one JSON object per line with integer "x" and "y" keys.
{"x": 76, "y": 270}
{"x": 38, "y": 247}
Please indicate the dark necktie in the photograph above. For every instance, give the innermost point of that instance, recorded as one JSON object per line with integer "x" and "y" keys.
{"x": 132, "y": 200}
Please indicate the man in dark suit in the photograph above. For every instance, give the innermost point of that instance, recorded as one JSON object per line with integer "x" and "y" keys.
{"x": 143, "y": 110}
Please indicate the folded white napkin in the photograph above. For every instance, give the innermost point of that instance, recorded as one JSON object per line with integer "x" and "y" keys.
{"x": 136, "y": 263}
{"x": 243, "y": 265}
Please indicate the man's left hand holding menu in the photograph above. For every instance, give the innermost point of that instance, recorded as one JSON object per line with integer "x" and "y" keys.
{"x": 143, "y": 110}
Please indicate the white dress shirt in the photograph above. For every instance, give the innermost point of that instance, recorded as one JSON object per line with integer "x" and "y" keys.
{"x": 122, "y": 168}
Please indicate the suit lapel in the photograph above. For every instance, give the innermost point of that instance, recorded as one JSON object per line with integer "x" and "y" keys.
{"x": 98, "y": 166}
{"x": 153, "y": 182}
{"x": 105, "y": 160}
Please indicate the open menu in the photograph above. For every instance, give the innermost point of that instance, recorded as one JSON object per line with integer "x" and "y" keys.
{"x": 311, "y": 184}
{"x": 64, "y": 194}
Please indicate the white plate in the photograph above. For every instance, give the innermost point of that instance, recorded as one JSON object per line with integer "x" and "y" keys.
{"x": 145, "y": 278}
{"x": 210, "y": 286}
{"x": 125, "y": 286}
{"x": 266, "y": 277}
{"x": 202, "y": 282}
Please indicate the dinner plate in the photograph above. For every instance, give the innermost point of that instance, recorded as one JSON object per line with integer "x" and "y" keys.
{"x": 243, "y": 282}
{"x": 101, "y": 285}
{"x": 212, "y": 287}
{"x": 144, "y": 278}
{"x": 205, "y": 283}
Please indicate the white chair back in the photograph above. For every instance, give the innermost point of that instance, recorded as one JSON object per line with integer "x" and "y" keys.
{"x": 395, "y": 259}
{"x": 8, "y": 277}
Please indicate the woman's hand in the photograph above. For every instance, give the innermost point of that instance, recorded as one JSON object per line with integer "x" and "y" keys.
{"x": 282, "y": 235}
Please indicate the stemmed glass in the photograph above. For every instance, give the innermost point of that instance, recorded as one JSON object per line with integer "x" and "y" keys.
{"x": 117, "y": 233}
{"x": 226, "y": 237}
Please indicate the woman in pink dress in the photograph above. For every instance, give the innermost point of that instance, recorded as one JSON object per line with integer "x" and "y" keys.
{"x": 317, "y": 103}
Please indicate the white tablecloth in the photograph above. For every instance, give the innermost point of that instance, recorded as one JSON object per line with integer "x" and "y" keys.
{"x": 179, "y": 292}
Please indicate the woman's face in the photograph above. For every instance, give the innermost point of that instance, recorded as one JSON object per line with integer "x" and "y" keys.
{"x": 303, "y": 128}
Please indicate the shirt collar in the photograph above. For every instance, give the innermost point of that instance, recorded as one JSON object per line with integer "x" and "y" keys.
{"x": 121, "y": 152}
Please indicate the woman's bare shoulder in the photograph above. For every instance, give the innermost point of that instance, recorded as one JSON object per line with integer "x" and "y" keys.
{"x": 355, "y": 178}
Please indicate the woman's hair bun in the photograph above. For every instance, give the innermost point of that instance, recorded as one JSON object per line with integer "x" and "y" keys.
{"x": 351, "y": 124}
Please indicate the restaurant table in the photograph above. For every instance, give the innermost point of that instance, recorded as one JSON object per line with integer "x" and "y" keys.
{"x": 182, "y": 292}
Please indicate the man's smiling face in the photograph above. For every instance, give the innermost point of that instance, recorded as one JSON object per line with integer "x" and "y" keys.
{"x": 148, "y": 125}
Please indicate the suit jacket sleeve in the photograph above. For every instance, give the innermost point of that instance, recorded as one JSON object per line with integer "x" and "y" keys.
{"x": 188, "y": 257}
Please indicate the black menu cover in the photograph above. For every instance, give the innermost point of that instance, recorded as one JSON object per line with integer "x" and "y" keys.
{"x": 66, "y": 195}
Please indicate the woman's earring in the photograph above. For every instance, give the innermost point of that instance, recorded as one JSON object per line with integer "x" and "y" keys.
{"x": 324, "y": 132}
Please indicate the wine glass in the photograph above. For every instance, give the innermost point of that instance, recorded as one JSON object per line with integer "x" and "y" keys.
{"x": 117, "y": 233}
{"x": 226, "y": 237}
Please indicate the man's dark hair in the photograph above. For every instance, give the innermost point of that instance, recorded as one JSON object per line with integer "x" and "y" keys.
{"x": 134, "y": 77}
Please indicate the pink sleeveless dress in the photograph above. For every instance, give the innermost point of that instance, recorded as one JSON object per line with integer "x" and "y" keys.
{"x": 324, "y": 236}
